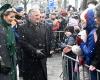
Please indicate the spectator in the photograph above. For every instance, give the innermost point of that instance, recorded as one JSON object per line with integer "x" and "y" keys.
{"x": 68, "y": 42}
{"x": 88, "y": 47}
{"x": 56, "y": 23}
{"x": 68, "y": 37}
{"x": 90, "y": 27}
{"x": 43, "y": 16}
{"x": 96, "y": 59}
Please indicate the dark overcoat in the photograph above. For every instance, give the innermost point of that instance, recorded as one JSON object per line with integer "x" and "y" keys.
{"x": 31, "y": 38}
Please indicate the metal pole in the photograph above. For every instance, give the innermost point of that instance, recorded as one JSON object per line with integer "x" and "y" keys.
{"x": 65, "y": 2}
{"x": 76, "y": 4}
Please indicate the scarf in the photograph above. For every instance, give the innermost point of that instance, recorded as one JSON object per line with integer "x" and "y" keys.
{"x": 10, "y": 41}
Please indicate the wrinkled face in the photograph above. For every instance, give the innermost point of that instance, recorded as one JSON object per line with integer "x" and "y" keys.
{"x": 36, "y": 17}
{"x": 10, "y": 17}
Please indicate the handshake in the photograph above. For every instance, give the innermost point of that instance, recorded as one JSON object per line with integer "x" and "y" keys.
{"x": 40, "y": 53}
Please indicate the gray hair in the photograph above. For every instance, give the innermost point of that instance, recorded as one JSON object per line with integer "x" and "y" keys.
{"x": 31, "y": 11}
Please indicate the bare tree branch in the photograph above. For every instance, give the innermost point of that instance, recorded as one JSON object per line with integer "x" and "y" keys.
{"x": 27, "y": 1}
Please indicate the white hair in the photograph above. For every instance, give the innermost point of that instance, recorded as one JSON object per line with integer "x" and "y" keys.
{"x": 31, "y": 11}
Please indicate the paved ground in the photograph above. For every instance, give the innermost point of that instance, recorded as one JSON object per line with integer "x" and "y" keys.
{"x": 54, "y": 66}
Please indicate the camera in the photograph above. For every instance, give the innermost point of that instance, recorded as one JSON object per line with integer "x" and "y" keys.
{"x": 18, "y": 16}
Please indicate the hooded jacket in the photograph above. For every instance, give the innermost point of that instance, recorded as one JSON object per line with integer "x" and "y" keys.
{"x": 88, "y": 47}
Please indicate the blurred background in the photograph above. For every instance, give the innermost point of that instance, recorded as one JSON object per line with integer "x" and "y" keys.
{"x": 47, "y": 5}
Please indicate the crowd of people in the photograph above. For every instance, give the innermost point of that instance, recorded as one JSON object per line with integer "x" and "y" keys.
{"x": 27, "y": 40}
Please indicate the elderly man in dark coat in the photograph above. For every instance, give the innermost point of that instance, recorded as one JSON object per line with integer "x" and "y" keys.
{"x": 35, "y": 42}
{"x": 7, "y": 44}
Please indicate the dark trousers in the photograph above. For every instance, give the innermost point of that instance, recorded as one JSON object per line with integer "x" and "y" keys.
{"x": 44, "y": 65}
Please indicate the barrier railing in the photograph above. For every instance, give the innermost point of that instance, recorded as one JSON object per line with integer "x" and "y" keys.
{"x": 56, "y": 39}
{"x": 58, "y": 34}
{"x": 73, "y": 71}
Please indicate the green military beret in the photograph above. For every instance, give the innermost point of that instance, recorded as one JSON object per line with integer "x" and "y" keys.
{"x": 4, "y": 8}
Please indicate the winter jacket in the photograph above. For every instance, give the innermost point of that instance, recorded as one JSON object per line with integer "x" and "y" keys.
{"x": 88, "y": 47}
{"x": 96, "y": 58}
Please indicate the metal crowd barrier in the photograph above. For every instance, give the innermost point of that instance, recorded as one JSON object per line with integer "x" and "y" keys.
{"x": 73, "y": 71}
{"x": 58, "y": 34}
{"x": 56, "y": 39}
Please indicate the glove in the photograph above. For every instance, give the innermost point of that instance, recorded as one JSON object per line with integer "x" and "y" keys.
{"x": 92, "y": 68}
{"x": 66, "y": 50}
{"x": 39, "y": 53}
{"x": 76, "y": 50}
{"x": 3, "y": 68}
{"x": 78, "y": 40}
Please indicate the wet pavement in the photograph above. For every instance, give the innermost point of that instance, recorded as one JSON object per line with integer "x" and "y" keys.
{"x": 54, "y": 66}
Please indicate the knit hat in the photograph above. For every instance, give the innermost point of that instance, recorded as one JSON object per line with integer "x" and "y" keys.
{"x": 70, "y": 29}
{"x": 6, "y": 8}
{"x": 19, "y": 9}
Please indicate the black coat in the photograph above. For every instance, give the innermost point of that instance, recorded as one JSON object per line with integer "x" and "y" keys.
{"x": 96, "y": 58}
{"x": 31, "y": 38}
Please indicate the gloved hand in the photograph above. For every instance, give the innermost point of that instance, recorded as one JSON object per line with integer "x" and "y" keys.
{"x": 3, "y": 68}
{"x": 39, "y": 53}
{"x": 92, "y": 68}
{"x": 79, "y": 40}
{"x": 66, "y": 50}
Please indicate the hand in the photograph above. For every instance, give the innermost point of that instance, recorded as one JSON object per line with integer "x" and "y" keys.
{"x": 92, "y": 68}
{"x": 79, "y": 40}
{"x": 66, "y": 49}
{"x": 5, "y": 70}
{"x": 39, "y": 53}
{"x": 13, "y": 23}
